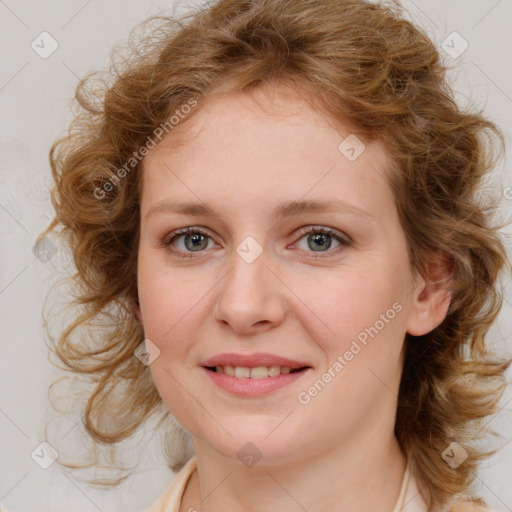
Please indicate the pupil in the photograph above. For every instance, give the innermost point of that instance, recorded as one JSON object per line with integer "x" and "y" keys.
{"x": 320, "y": 238}
{"x": 196, "y": 238}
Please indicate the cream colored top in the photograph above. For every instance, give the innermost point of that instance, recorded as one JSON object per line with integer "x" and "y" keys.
{"x": 409, "y": 499}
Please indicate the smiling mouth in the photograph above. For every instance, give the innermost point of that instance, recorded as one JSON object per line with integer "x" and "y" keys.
{"x": 258, "y": 372}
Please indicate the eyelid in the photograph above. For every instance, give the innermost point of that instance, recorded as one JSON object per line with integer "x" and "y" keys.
{"x": 170, "y": 237}
{"x": 343, "y": 238}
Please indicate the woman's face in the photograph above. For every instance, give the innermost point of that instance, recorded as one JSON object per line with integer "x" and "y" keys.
{"x": 255, "y": 280}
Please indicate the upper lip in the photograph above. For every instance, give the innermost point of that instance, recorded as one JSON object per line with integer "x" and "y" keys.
{"x": 252, "y": 360}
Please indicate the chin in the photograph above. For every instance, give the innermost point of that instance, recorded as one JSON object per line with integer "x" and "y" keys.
{"x": 250, "y": 446}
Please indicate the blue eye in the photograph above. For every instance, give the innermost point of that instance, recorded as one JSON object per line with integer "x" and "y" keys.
{"x": 321, "y": 237}
{"x": 195, "y": 240}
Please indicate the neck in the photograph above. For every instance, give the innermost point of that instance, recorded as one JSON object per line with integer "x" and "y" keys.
{"x": 349, "y": 476}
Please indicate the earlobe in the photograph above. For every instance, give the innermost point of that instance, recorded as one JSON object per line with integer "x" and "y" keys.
{"x": 432, "y": 296}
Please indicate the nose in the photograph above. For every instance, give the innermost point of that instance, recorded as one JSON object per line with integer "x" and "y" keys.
{"x": 251, "y": 297}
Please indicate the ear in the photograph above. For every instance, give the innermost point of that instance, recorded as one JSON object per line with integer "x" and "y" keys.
{"x": 431, "y": 296}
{"x": 136, "y": 309}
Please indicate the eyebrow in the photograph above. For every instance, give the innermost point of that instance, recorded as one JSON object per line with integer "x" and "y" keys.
{"x": 286, "y": 209}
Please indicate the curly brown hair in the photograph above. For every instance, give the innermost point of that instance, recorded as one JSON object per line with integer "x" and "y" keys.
{"x": 358, "y": 62}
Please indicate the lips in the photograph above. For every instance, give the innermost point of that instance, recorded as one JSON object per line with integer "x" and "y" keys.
{"x": 254, "y": 387}
{"x": 253, "y": 361}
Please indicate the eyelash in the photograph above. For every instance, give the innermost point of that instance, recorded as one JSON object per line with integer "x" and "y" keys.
{"x": 345, "y": 242}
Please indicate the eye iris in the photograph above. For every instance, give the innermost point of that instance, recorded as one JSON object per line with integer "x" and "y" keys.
{"x": 198, "y": 241}
{"x": 320, "y": 238}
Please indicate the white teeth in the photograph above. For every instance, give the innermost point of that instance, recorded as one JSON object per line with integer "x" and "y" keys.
{"x": 242, "y": 372}
{"x": 274, "y": 370}
{"x": 228, "y": 370}
{"x": 258, "y": 372}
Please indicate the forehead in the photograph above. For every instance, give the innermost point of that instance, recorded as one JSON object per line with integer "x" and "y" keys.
{"x": 277, "y": 107}
{"x": 270, "y": 145}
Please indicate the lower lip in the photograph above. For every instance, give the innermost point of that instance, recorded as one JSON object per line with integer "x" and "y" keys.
{"x": 253, "y": 387}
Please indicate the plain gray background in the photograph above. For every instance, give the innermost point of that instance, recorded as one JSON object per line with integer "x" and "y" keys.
{"x": 35, "y": 95}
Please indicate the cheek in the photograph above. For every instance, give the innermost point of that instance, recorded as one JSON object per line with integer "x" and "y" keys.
{"x": 361, "y": 345}
{"x": 346, "y": 305}
{"x": 166, "y": 294}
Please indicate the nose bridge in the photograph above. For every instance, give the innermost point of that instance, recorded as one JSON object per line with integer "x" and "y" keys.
{"x": 251, "y": 293}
